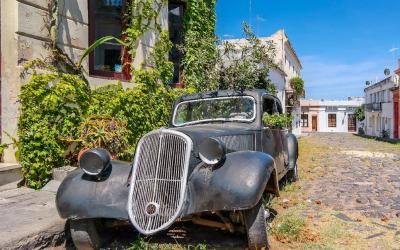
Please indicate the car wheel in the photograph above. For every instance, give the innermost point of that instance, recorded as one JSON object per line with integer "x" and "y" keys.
{"x": 256, "y": 227}
{"x": 292, "y": 175}
{"x": 85, "y": 234}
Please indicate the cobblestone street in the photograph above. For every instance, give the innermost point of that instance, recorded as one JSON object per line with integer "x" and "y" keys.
{"x": 349, "y": 191}
{"x": 354, "y": 174}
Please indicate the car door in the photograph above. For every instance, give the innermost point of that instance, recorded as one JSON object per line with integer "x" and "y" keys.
{"x": 273, "y": 140}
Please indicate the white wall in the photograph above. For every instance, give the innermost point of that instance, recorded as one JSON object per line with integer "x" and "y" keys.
{"x": 278, "y": 79}
{"x": 341, "y": 121}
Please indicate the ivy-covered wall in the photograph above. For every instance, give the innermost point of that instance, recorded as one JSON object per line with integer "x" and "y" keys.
{"x": 200, "y": 51}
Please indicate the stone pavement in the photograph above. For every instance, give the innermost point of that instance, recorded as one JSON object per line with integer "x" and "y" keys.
{"x": 353, "y": 174}
{"x": 29, "y": 220}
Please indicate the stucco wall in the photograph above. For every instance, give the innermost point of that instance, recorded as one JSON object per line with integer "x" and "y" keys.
{"x": 10, "y": 82}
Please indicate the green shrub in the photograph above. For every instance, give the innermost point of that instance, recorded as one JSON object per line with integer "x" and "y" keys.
{"x": 139, "y": 108}
{"x": 277, "y": 121}
{"x": 297, "y": 83}
{"x": 105, "y": 132}
{"x": 360, "y": 115}
{"x": 52, "y": 107}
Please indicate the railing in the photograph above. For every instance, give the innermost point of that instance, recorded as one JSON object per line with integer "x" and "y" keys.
{"x": 373, "y": 106}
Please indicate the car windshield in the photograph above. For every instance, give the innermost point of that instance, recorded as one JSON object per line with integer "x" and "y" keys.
{"x": 238, "y": 108}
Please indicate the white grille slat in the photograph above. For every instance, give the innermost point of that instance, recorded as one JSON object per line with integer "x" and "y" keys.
{"x": 159, "y": 177}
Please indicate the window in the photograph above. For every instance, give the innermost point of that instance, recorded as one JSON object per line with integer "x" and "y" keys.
{"x": 235, "y": 108}
{"x": 304, "y": 120}
{"x": 271, "y": 105}
{"x": 107, "y": 60}
{"x": 331, "y": 109}
{"x": 332, "y": 120}
{"x": 175, "y": 26}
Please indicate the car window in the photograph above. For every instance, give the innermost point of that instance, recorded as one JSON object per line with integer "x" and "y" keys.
{"x": 215, "y": 109}
{"x": 271, "y": 105}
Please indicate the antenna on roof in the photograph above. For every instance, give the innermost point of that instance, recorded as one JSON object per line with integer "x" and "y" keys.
{"x": 250, "y": 13}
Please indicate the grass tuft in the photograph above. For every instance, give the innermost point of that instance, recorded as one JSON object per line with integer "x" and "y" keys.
{"x": 290, "y": 226}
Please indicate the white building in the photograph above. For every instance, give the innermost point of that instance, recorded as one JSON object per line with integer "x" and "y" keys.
{"x": 289, "y": 66}
{"x": 330, "y": 116}
{"x": 379, "y": 107}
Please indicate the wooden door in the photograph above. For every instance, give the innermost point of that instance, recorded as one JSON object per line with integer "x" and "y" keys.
{"x": 351, "y": 123}
{"x": 314, "y": 123}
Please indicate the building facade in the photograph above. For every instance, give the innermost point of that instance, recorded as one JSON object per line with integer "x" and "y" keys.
{"x": 396, "y": 107}
{"x": 289, "y": 66}
{"x": 379, "y": 107}
{"x": 330, "y": 116}
{"x": 25, "y": 35}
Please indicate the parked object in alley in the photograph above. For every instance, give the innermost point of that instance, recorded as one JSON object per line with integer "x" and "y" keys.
{"x": 213, "y": 166}
{"x": 330, "y": 116}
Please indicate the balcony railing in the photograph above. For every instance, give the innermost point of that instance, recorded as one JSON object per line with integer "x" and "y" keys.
{"x": 370, "y": 107}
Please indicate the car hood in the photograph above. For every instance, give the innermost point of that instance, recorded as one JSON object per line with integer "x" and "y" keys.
{"x": 235, "y": 136}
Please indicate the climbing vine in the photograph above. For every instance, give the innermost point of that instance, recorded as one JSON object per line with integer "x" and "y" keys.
{"x": 200, "y": 50}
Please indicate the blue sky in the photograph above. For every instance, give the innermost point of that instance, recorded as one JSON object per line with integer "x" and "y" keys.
{"x": 341, "y": 43}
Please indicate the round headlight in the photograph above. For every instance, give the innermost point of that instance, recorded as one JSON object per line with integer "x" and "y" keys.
{"x": 95, "y": 161}
{"x": 212, "y": 151}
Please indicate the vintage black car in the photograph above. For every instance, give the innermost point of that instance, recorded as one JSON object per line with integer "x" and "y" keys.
{"x": 212, "y": 166}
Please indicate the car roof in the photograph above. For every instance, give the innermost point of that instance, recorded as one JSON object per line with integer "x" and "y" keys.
{"x": 256, "y": 93}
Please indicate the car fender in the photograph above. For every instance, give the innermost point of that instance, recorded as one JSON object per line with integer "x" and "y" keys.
{"x": 293, "y": 148}
{"x": 81, "y": 196}
{"x": 237, "y": 184}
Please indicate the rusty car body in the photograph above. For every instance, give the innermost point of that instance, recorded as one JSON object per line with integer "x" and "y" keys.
{"x": 213, "y": 166}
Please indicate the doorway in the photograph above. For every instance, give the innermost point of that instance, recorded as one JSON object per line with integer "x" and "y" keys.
{"x": 351, "y": 123}
{"x": 314, "y": 123}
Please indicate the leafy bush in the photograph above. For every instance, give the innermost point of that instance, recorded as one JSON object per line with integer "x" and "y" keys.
{"x": 139, "y": 108}
{"x": 52, "y": 107}
{"x": 297, "y": 83}
{"x": 277, "y": 121}
{"x": 360, "y": 115}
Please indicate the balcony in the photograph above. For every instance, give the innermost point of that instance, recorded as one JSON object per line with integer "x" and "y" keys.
{"x": 373, "y": 107}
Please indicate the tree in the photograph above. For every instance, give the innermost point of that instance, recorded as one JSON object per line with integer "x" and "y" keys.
{"x": 238, "y": 66}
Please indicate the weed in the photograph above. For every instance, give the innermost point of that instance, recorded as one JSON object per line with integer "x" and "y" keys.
{"x": 289, "y": 226}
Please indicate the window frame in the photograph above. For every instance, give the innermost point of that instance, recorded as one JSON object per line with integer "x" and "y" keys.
{"x": 304, "y": 121}
{"x": 184, "y": 8}
{"x": 125, "y": 75}
{"x": 329, "y": 120}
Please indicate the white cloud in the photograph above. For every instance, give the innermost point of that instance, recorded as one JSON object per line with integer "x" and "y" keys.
{"x": 260, "y": 18}
{"x": 336, "y": 80}
{"x": 393, "y": 50}
{"x": 228, "y": 36}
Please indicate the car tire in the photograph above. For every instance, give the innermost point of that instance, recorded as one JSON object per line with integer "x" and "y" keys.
{"x": 85, "y": 234}
{"x": 293, "y": 175}
{"x": 256, "y": 227}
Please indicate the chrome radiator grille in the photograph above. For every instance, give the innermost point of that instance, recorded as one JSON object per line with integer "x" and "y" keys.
{"x": 159, "y": 180}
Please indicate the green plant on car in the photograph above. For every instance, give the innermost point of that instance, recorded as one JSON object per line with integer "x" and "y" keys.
{"x": 277, "y": 120}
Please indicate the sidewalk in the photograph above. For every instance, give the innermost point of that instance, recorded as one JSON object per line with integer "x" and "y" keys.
{"x": 29, "y": 220}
